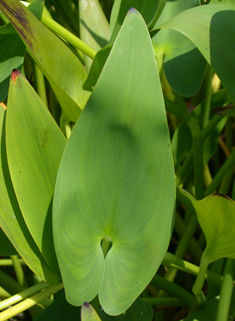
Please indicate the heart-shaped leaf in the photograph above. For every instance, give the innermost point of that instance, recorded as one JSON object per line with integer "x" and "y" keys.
{"x": 116, "y": 180}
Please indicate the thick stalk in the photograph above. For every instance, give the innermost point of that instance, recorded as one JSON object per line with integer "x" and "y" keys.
{"x": 226, "y": 291}
{"x": 68, "y": 36}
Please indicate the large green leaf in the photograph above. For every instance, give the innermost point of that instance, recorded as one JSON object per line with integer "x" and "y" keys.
{"x": 62, "y": 68}
{"x": 12, "y": 222}
{"x": 94, "y": 27}
{"x": 34, "y": 147}
{"x": 184, "y": 65}
{"x": 212, "y": 29}
{"x": 116, "y": 180}
{"x": 149, "y": 9}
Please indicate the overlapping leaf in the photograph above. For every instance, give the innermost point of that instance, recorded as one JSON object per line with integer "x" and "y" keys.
{"x": 11, "y": 219}
{"x": 64, "y": 71}
{"x": 34, "y": 146}
{"x": 212, "y": 29}
{"x": 184, "y": 65}
{"x": 94, "y": 27}
{"x": 116, "y": 180}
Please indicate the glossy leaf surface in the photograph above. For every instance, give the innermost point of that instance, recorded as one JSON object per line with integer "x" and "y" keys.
{"x": 94, "y": 27}
{"x": 11, "y": 219}
{"x": 116, "y": 180}
{"x": 34, "y": 147}
{"x": 62, "y": 68}
{"x": 184, "y": 65}
{"x": 214, "y": 36}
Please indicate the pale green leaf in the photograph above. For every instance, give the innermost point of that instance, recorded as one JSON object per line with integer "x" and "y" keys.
{"x": 34, "y": 146}
{"x": 62, "y": 68}
{"x": 116, "y": 180}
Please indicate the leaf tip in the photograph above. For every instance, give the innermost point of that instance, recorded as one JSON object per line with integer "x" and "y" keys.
{"x": 132, "y": 10}
{"x": 86, "y": 304}
{"x": 15, "y": 75}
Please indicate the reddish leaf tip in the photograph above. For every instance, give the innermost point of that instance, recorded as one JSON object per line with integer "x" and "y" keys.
{"x": 14, "y": 75}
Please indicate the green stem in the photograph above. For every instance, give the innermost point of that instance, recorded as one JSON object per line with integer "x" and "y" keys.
{"x": 180, "y": 228}
{"x": 18, "y": 270}
{"x": 173, "y": 289}
{"x": 68, "y": 36}
{"x": 28, "y": 303}
{"x": 8, "y": 262}
{"x": 183, "y": 246}
{"x": 172, "y": 260}
{"x": 23, "y": 295}
{"x": 226, "y": 291}
{"x": 197, "y": 145}
{"x": 188, "y": 162}
{"x": 201, "y": 275}
{"x": 226, "y": 167}
{"x": 40, "y": 83}
{"x": 206, "y": 104}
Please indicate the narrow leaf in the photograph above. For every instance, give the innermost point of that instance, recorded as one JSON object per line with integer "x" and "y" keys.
{"x": 34, "y": 147}
{"x": 11, "y": 219}
{"x": 62, "y": 68}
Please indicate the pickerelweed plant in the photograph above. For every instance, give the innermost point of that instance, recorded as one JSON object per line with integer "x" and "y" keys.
{"x": 117, "y": 160}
